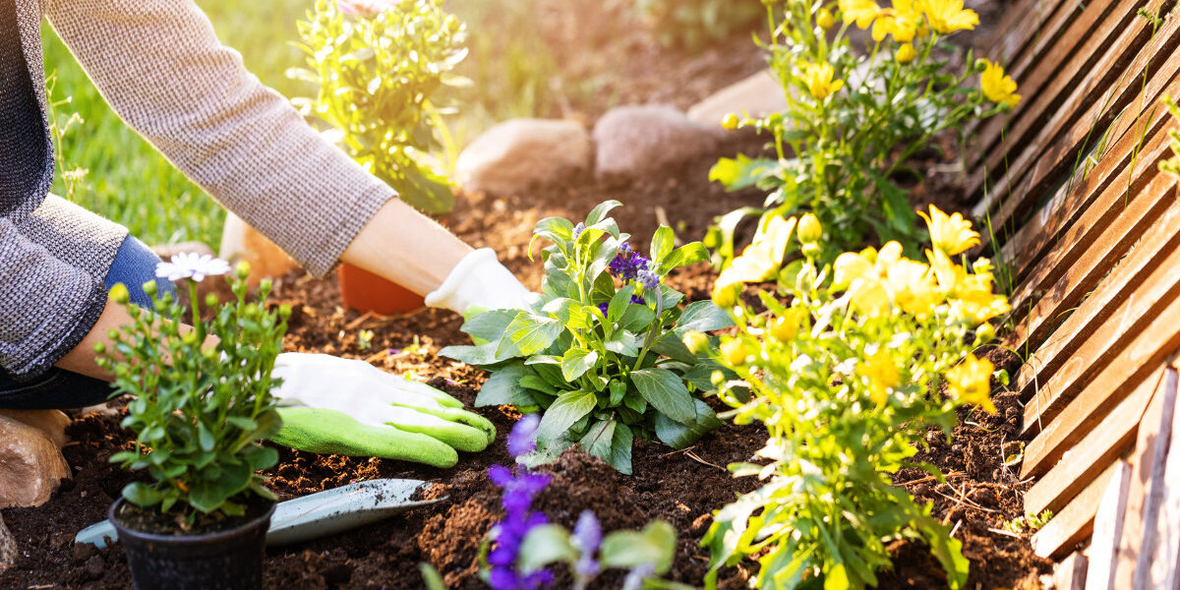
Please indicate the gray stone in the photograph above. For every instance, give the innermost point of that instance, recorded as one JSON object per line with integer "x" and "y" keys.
{"x": 756, "y": 96}
{"x": 8, "y": 551}
{"x": 520, "y": 153}
{"x": 635, "y": 140}
{"x": 31, "y": 463}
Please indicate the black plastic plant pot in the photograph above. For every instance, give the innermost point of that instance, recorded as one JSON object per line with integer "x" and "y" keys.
{"x": 228, "y": 559}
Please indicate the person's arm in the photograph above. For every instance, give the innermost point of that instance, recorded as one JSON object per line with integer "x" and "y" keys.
{"x": 406, "y": 247}
{"x": 82, "y": 358}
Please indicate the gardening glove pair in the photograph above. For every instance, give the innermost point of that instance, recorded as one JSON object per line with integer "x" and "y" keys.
{"x": 337, "y": 406}
{"x": 479, "y": 283}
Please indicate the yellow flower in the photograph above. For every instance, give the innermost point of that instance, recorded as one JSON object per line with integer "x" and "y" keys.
{"x": 948, "y": 16}
{"x": 970, "y": 294}
{"x": 785, "y": 328}
{"x": 818, "y": 78}
{"x": 863, "y": 12}
{"x": 758, "y": 262}
{"x": 864, "y": 274}
{"x": 913, "y": 287}
{"x": 906, "y": 53}
{"x": 950, "y": 233}
{"x": 734, "y": 352}
{"x": 971, "y": 382}
{"x": 997, "y": 86}
{"x": 882, "y": 375}
{"x": 824, "y": 19}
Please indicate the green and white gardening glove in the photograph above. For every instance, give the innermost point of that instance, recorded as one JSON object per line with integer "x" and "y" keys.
{"x": 332, "y": 405}
{"x": 480, "y": 282}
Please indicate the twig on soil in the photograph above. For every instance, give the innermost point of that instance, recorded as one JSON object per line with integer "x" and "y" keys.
{"x": 678, "y": 451}
{"x": 964, "y": 500}
{"x": 1005, "y": 533}
{"x": 932, "y": 478}
{"x": 956, "y": 529}
{"x": 354, "y": 324}
{"x": 694, "y": 457}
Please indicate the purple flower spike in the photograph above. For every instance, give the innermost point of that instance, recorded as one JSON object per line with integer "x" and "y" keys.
{"x": 587, "y": 536}
{"x": 648, "y": 278}
{"x": 578, "y": 229}
{"x": 635, "y": 578}
{"x": 523, "y": 438}
{"x": 628, "y": 263}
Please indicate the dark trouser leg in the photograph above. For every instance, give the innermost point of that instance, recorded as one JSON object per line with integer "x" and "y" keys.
{"x": 133, "y": 266}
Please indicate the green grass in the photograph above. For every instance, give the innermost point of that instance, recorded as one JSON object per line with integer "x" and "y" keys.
{"x": 128, "y": 181}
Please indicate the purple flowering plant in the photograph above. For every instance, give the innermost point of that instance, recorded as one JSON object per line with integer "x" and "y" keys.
{"x": 601, "y": 355}
{"x": 520, "y": 549}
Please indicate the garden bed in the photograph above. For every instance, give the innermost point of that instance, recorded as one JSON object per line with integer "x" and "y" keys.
{"x": 681, "y": 487}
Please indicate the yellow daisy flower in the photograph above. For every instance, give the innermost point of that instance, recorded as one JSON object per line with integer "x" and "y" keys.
{"x": 971, "y": 382}
{"x": 950, "y": 233}
{"x": 948, "y": 16}
{"x": 882, "y": 375}
{"x": 863, "y": 12}
{"x": 818, "y": 78}
{"x": 997, "y": 86}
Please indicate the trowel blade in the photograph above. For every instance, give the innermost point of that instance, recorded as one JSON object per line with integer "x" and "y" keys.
{"x": 315, "y": 515}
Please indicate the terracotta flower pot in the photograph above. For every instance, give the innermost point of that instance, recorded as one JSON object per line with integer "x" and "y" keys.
{"x": 364, "y": 291}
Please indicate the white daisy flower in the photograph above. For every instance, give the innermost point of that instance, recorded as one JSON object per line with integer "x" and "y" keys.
{"x": 188, "y": 265}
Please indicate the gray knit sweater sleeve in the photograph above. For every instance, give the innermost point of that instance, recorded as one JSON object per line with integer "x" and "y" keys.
{"x": 160, "y": 66}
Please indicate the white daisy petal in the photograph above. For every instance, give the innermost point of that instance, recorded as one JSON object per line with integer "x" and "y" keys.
{"x": 191, "y": 265}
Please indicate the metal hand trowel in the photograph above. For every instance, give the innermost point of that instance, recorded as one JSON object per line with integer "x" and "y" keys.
{"x": 315, "y": 515}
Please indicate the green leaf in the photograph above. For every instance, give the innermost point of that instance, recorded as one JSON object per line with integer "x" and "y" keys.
{"x": 544, "y": 545}
{"x": 142, "y": 494}
{"x": 672, "y": 347}
{"x": 536, "y": 383}
{"x": 529, "y": 334}
{"x": 703, "y": 316}
{"x": 554, "y": 229}
{"x": 684, "y": 256}
{"x": 740, "y": 173}
{"x": 599, "y": 212}
{"x": 599, "y": 438}
{"x": 636, "y": 318}
{"x": 662, "y": 243}
{"x": 576, "y": 362}
{"x": 678, "y": 435}
{"x": 484, "y": 354}
{"x": 655, "y": 544}
{"x": 505, "y": 387}
{"x": 664, "y": 390}
{"x": 620, "y": 449}
{"x": 489, "y": 326}
{"x": 571, "y": 313}
{"x": 619, "y": 303}
{"x": 623, "y": 343}
{"x": 431, "y": 578}
{"x": 565, "y": 411}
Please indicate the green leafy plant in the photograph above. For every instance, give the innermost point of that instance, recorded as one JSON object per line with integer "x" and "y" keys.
{"x": 693, "y": 24}
{"x": 846, "y": 368}
{"x": 198, "y": 412}
{"x": 601, "y": 353}
{"x": 378, "y": 70}
{"x": 854, "y": 120}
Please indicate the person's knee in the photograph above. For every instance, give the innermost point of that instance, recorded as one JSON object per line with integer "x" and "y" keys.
{"x": 134, "y": 265}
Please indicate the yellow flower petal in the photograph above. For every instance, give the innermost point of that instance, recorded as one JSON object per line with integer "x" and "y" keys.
{"x": 970, "y": 382}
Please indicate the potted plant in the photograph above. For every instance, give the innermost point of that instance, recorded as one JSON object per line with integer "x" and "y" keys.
{"x": 387, "y": 123}
{"x": 201, "y": 404}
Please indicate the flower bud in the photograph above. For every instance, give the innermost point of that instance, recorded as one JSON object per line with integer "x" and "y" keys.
{"x": 824, "y": 19}
{"x": 211, "y": 300}
{"x": 726, "y": 297}
{"x": 119, "y": 294}
{"x": 265, "y": 285}
{"x": 696, "y": 342}
{"x": 285, "y": 311}
{"x": 811, "y": 251}
{"x": 734, "y": 352}
{"x": 785, "y": 328}
{"x": 984, "y": 333}
{"x": 100, "y": 348}
{"x": 906, "y": 53}
{"x": 730, "y": 121}
{"x": 717, "y": 378}
{"x": 810, "y": 231}
{"x": 149, "y": 288}
{"x": 243, "y": 270}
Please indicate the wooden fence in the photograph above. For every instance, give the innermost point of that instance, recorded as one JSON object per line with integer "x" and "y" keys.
{"x": 1070, "y": 186}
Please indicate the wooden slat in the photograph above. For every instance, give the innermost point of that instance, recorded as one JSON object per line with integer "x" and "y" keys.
{"x": 1108, "y": 529}
{"x": 1087, "y": 337}
{"x": 1144, "y": 308}
{"x": 1165, "y": 558}
{"x": 1070, "y": 574}
{"x": 1094, "y": 453}
{"x": 1140, "y": 140}
{"x": 1075, "y": 522}
{"x": 1135, "y": 362}
{"x": 1143, "y": 499}
{"x": 1049, "y": 140}
{"x": 1042, "y": 77}
{"x": 1098, "y": 304}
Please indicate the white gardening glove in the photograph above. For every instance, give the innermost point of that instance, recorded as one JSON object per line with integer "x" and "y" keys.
{"x": 479, "y": 281}
{"x": 340, "y": 406}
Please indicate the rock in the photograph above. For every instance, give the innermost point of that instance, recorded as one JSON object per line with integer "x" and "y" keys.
{"x": 8, "y": 552}
{"x": 635, "y": 140}
{"x": 758, "y": 96}
{"x": 167, "y": 251}
{"x": 240, "y": 242}
{"x": 31, "y": 464}
{"x": 516, "y": 154}
{"x": 52, "y": 423}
